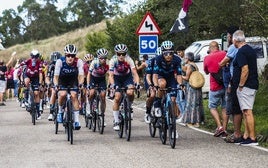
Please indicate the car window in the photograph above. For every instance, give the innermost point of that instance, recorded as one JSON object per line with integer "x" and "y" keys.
{"x": 193, "y": 47}
{"x": 257, "y": 46}
{"x": 203, "y": 52}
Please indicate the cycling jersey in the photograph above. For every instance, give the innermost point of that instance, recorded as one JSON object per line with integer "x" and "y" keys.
{"x": 150, "y": 66}
{"x": 50, "y": 71}
{"x": 98, "y": 70}
{"x": 34, "y": 67}
{"x": 68, "y": 74}
{"x": 165, "y": 69}
{"x": 121, "y": 68}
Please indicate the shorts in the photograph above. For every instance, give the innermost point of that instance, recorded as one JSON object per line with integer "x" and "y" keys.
{"x": 2, "y": 86}
{"x": 171, "y": 82}
{"x": 10, "y": 84}
{"x": 246, "y": 98}
{"x": 217, "y": 98}
{"x": 123, "y": 81}
{"x": 98, "y": 81}
{"x": 66, "y": 82}
{"x": 232, "y": 103}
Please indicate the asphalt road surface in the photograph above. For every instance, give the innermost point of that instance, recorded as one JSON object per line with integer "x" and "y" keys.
{"x": 26, "y": 145}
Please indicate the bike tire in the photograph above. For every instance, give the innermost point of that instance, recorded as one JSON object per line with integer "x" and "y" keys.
{"x": 55, "y": 113}
{"x": 33, "y": 108}
{"x": 163, "y": 130}
{"x": 94, "y": 114}
{"x": 121, "y": 125}
{"x": 70, "y": 120}
{"x": 172, "y": 124}
{"x": 127, "y": 120}
{"x": 152, "y": 124}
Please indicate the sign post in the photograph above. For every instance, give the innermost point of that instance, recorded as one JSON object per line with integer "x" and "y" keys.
{"x": 148, "y": 32}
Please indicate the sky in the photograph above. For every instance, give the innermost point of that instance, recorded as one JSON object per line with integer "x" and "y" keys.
{"x": 61, "y": 4}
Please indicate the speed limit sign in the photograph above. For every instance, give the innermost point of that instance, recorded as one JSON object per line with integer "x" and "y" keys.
{"x": 148, "y": 44}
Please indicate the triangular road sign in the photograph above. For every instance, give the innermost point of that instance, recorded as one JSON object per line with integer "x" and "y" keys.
{"x": 148, "y": 25}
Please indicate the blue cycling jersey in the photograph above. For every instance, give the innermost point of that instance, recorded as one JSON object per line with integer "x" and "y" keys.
{"x": 67, "y": 70}
{"x": 150, "y": 66}
{"x": 165, "y": 69}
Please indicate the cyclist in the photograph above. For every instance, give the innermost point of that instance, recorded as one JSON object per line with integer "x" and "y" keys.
{"x": 167, "y": 73}
{"x": 33, "y": 74}
{"x": 87, "y": 61}
{"x": 122, "y": 73}
{"x": 96, "y": 77}
{"x": 69, "y": 73}
{"x": 49, "y": 82}
{"x": 151, "y": 89}
{"x": 43, "y": 90}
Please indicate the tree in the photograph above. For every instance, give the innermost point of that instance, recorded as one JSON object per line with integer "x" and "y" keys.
{"x": 11, "y": 27}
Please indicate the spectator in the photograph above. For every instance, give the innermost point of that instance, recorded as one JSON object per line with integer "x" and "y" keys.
{"x": 194, "y": 110}
{"x": 217, "y": 91}
{"x": 232, "y": 104}
{"x": 16, "y": 78}
{"x": 245, "y": 79}
{"x": 3, "y": 69}
{"x": 10, "y": 82}
{"x": 180, "y": 99}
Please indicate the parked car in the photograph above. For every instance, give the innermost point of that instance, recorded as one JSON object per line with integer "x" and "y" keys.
{"x": 200, "y": 50}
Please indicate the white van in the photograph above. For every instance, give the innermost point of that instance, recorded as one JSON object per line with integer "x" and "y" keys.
{"x": 200, "y": 49}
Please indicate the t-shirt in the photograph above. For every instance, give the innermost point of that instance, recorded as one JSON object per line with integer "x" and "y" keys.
{"x": 211, "y": 65}
{"x": 231, "y": 53}
{"x": 246, "y": 55}
{"x": 3, "y": 69}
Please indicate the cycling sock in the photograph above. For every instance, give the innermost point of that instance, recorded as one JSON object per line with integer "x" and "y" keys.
{"x": 41, "y": 104}
{"x": 76, "y": 116}
{"x": 116, "y": 115}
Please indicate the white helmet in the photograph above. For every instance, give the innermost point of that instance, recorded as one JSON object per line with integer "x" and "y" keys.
{"x": 70, "y": 49}
{"x": 120, "y": 48}
{"x": 102, "y": 53}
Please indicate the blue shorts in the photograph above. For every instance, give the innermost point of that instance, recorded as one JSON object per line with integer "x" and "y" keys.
{"x": 98, "y": 81}
{"x": 217, "y": 98}
{"x": 123, "y": 81}
{"x": 171, "y": 82}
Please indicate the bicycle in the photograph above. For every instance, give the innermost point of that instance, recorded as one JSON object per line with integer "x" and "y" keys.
{"x": 68, "y": 120}
{"x": 125, "y": 111}
{"x": 97, "y": 117}
{"x": 31, "y": 104}
{"x": 167, "y": 122}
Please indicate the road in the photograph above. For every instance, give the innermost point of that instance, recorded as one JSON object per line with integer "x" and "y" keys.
{"x": 25, "y": 145}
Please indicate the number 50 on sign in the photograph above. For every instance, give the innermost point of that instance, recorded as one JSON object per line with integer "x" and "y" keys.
{"x": 148, "y": 44}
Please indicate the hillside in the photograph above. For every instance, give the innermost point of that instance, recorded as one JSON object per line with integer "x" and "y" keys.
{"x": 57, "y": 43}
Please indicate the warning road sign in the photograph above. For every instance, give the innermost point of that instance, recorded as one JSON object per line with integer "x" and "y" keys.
{"x": 148, "y": 25}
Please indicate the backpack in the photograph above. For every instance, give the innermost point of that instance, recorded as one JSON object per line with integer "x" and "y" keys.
{"x": 197, "y": 79}
{"x": 218, "y": 76}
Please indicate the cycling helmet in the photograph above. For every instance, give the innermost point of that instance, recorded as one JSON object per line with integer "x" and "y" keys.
{"x": 42, "y": 57}
{"x": 158, "y": 51}
{"x": 102, "y": 53}
{"x": 35, "y": 54}
{"x": 88, "y": 57}
{"x": 70, "y": 49}
{"x": 120, "y": 48}
{"x": 167, "y": 46}
{"x": 55, "y": 55}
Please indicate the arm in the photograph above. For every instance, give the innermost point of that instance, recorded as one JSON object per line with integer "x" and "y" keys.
{"x": 141, "y": 67}
{"x": 244, "y": 75}
{"x": 81, "y": 76}
{"x": 188, "y": 73}
{"x": 224, "y": 61}
{"x": 10, "y": 60}
{"x": 135, "y": 75}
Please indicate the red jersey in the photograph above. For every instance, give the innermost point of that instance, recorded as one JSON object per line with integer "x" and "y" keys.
{"x": 34, "y": 67}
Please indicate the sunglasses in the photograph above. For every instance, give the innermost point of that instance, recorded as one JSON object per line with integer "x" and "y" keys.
{"x": 70, "y": 55}
{"x": 102, "y": 58}
{"x": 121, "y": 54}
{"x": 167, "y": 53}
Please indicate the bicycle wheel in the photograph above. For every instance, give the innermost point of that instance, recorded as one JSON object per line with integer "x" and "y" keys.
{"x": 127, "y": 119}
{"x": 55, "y": 113}
{"x": 100, "y": 118}
{"x": 162, "y": 129}
{"x": 172, "y": 124}
{"x": 121, "y": 124}
{"x": 33, "y": 108}
{"x": 152, "y": 124}
{"x": 94, "y": 114}
{"x": 70, "y": 120}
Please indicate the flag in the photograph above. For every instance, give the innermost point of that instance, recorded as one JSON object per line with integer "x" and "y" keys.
{"x": 181, "y": 23}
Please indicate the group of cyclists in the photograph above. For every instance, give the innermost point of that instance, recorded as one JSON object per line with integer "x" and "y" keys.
{"x": 50, "y": 79}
